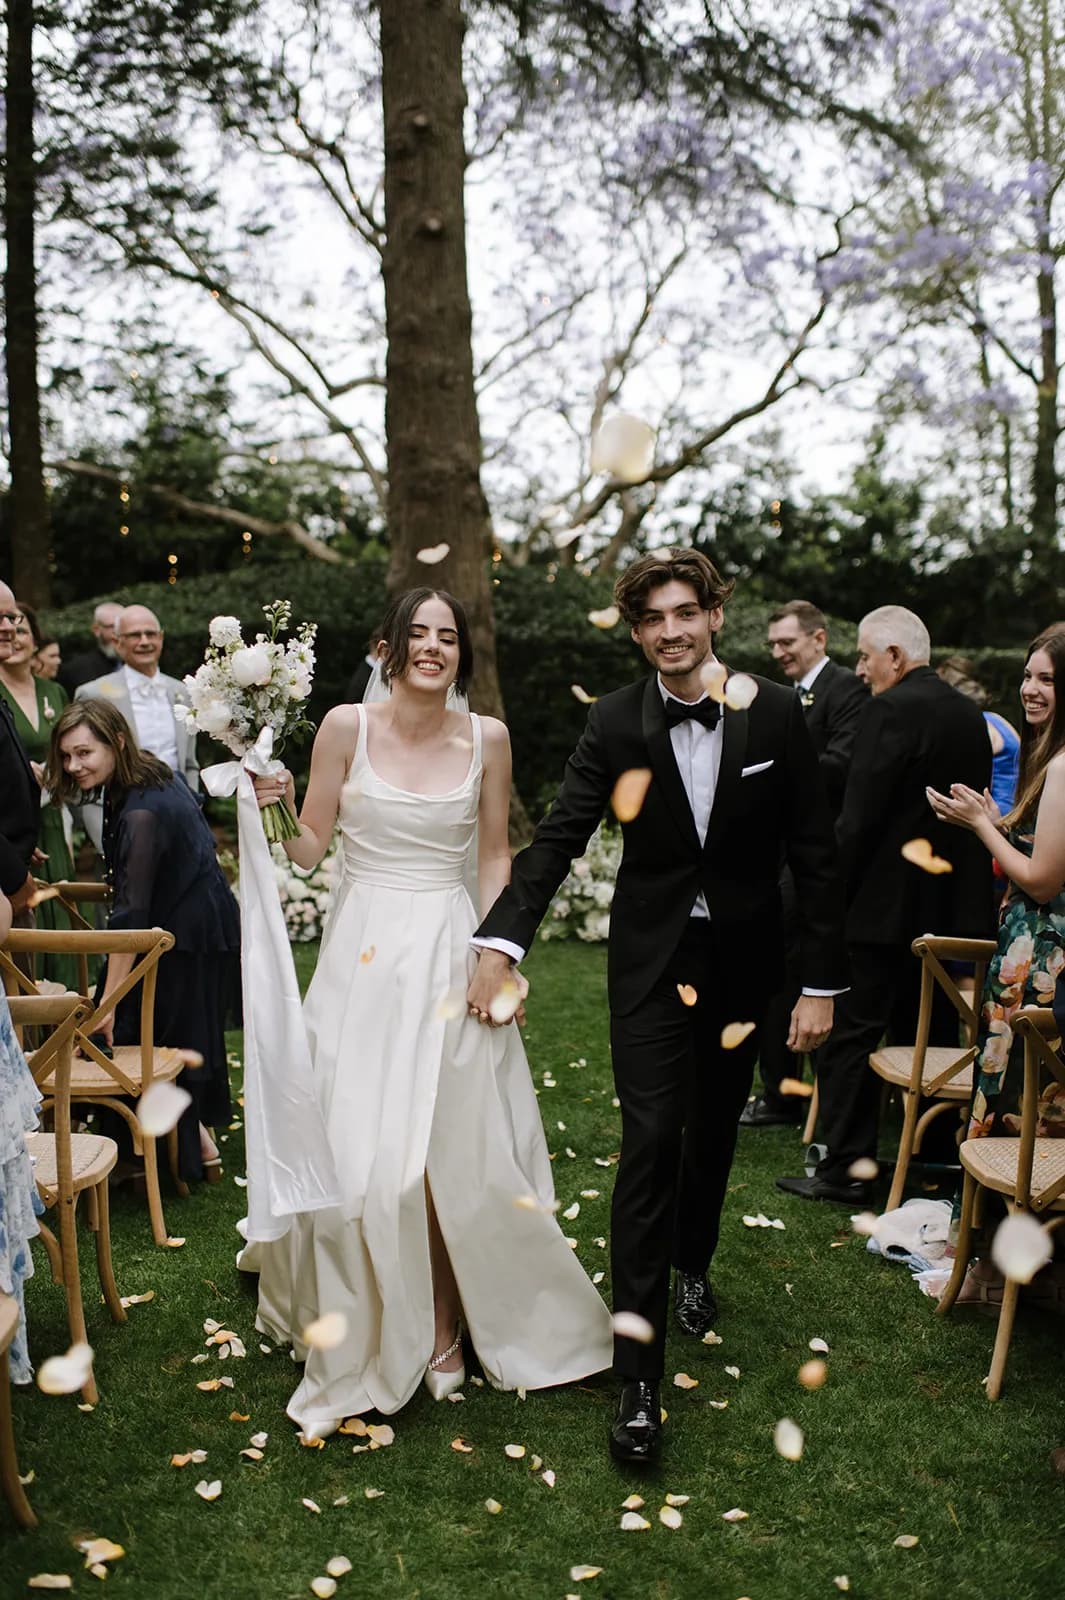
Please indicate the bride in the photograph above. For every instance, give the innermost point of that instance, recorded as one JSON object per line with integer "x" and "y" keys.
{"x": 446, "y": 1209}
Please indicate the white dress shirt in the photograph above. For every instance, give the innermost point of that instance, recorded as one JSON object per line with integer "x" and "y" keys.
{"x": 153, "y": 715}
{"x": 697, "y": 752}
{"x": 810, "y": 678}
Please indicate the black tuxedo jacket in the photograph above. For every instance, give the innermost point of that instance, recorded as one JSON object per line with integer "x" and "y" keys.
{"x": 920, "y": 733}
{"x": 769, "y": 804}
{"x": 837, "y": 699}
{"x": 20, "y": 806}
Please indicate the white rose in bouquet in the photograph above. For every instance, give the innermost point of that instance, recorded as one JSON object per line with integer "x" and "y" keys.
{"x": 251, "y": 665}
{"x": 213, "y": 716}
{"x": 225, "y": 631}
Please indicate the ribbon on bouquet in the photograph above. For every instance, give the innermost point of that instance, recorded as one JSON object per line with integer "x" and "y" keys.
{"x": 289, "y": 1160}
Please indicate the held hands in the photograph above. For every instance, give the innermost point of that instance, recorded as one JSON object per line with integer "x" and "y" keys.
{"x": 964, "y": 807}
{"x": 811, "y": 1022}
{"x": 494, "y": 969}
{"x": 269, "y": 790}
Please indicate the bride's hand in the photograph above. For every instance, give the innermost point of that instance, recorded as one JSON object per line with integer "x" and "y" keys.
{"x": 963, "y": 806}
{"x": 269, "y": 790}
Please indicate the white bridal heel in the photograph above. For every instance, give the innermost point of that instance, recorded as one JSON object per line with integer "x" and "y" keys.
{"x": 441, "y": 1384}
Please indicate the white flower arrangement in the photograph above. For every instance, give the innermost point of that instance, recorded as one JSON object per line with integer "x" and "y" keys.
{"x": 581, "y": 908}
{"x": 305, "y": 896}
{"x": 241, "y": 689}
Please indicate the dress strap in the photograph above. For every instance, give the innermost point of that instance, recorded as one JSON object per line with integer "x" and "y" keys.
{"x": 475, "y": 724}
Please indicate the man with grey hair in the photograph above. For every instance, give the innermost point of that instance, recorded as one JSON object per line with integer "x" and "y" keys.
{"x": 916, "y": 732}
{"x": 101, "y": 657}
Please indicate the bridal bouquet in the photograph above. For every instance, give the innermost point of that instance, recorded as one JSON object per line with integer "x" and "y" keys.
{"x": 251, "y": 697}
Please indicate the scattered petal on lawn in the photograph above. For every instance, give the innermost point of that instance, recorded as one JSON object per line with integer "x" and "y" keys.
{"x": 137, "y": 1299}
{"x": 535, "y": 1463}
{"x": 670, "y": 1517}
{"x": 906, "y": 1541}
{"x": 589, "y": 1194}
{"x": 381, "y": 1434}
{"x": 682, "y": 1380}
{"x": 456, "y": 1398}
{"x": 735, "y": 1515}
{"x": 160, "y": 1106}
{"x": 1021, "y": 1246}
{"x": 579, "y": 1574}
{"x": 734, "y": 1033}
{"x": 813, "y": 1374}
{"x": 688, "y": 995}
{"x": 582, "y": 695}
{"x": 741, "y": 690}
{"x": 864, "y": 1170}
{"x": 842, "y": 1582}
{"x": 209, "y": 1491}
{"x": 337, "y": 1566}
{"x": 211, "y": 1326}
{"x": 267, "y": 1349}
{"x": 733, "y": 1372}
{"x": 609, "y": 617}
{"x": 174, "y": 1244}
{"x": 312, "y": 1505}
{"x": 210, "y": 1385}
{"x": 354, "y": 1426}
{"x": 624, "y": 446}
{"x": 796, "y": 1086}
{"x": 712, "y": 1338}
{"x": 819, "y": 1346}
{"x": 597, "y": 1277}
{"x": 548, "y": 1477}
{"x": 630, "y": 1325}
{"x": 85, "y": 1406}
{"x": 632, "y": 1522}
{"x": 599, "y": 1242}
{"x": 341, "y": 1500}
{"x": 432, "y": 554}
{"x": 327, "y": 1331}
{"x": 324, "y": 1588}
{"x": 65, "y": 1374}
{"x": 572, "y": 1212}
{"x": 252, "y": 1454}
{"x": 462, "y": 1447}
{"x": 97, "y": 1551}
{"x": 629, "y": 793}
{"x": 677, "y": 1499}
{"x": 311, "y": 1441}
{"x": 718, "y": 1405}
{"x": 242, "y": 1183}
{"x": 258, "y": 1440}
{"x": 506, "y": 1002}
{"x": 633, "y": 1503}
{"x": 572, "y": 1243}
{"x": 374, "y": 1494}
{"x": 919, "y": 853}
{"x": 493, "y": 1507}
{"x": 514, "y": 1451}
{"x": 788, "y": 1439}
{"x": 50, "y": 1580}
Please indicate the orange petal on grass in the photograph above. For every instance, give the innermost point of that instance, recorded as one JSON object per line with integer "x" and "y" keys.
{"x": 354, "y": 1426}
{"x": 252, "y": 1454}
{"x": 582, "y": 695}
{"x": 239, "y": 1416}
{"x": 381, "y": 1435}
{"x": 797, "y": 1087}
{"x": 919, "y": 853}
{"x": 462, "y": 1447}
{"x": 138, "y": 1299}
{"x": 688, "y": 995}
{"x": 683, "y": 1380}
{"x": 734, "y": 1033}
{"x": 630, "y": 792}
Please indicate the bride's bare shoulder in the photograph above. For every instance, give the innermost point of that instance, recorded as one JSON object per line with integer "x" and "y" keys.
{"x": 339, "y": 726}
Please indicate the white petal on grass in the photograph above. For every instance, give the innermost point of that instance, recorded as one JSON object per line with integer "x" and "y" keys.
{"x": 209, "y": 1491}
{"x": 624, "y": 446}
{"x": 67, "y": 1373}
{"x": 381, "y": 1435}
{"x": 633, "y": 1503}
{"x": 50, "y": 1580}
{"x": 258, "y": 1440}
{"x": 97, "y": 1551}
{"x": 597, "y": 1277}
{"x": 712, "y": 1338}
{"x": 670, "y": 1517}
{"x": 572, "y": 1212}
{"x": 506, "y": 1002}
{"x": 160, "y": 1106}
{"x": 549, "y": 1477}
{"x": 734, "y": 1033}
{"x": 718, "y": 1405}
{"x": 252, "y": 1453}
{"x": 906, "y": 1541}
{"x": 733, "y": 1372}
{"x": 514, "y": 1451}
{"x": 337, "y": 1566}
{"x": 677, "y": 1499}
{"x": 842, "y": 1582}
{"x": 431, "y": 555}
{"x": 374, "y": 1494}
{"x": 128, "y": 1300}
{"x": 683, "y": 1380}
{"x": 632, "y": 1522}
{"x": 630, "y": 1325}
{"x": 819, "y": 1346}
{"x": 1021, "y": 1247}
{"x": 741, "y": 690}
{"x": 589, "y": 1194}
{"x": 788, "y": 1439}
{"x": 327, "y": 1331}
{"x": 735, "y": 1515}
{"x": 311, "y": 1505}
{"x": 493, "y": 1507}
{"x": 324, "y": 1588}
{"x": 579, "y": 1574}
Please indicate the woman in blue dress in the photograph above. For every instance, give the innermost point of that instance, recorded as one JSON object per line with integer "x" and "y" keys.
{"x": 163, "y": 870}
{"x": 19, "y": 1204}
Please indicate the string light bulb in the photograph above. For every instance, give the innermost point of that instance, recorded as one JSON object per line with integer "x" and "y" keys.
{"x": 172, "y": 575}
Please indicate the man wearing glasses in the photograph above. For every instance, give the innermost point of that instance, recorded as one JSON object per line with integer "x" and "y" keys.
{"x": 20, "y": 793}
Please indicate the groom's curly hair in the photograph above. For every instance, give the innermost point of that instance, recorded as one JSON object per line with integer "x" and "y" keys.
{"x": 669, "y": 566}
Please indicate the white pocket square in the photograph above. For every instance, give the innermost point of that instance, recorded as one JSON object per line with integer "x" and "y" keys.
{"x": 759, "y": 766}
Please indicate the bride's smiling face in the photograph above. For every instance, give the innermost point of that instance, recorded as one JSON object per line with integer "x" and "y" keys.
{"x": 432, "y": 646}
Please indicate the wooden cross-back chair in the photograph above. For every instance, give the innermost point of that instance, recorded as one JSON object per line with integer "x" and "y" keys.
{"x": 920, "y": 1071}
{"x": 1028, "y": 1172}
{"x": 72, "y": 897}
{"x": 10, "y": 1481}
{"x": 67, "y": 1165}
{"x": 97, "y": 1079}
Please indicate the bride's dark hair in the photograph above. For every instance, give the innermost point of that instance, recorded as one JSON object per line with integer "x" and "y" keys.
{"x": 395, "y": 634}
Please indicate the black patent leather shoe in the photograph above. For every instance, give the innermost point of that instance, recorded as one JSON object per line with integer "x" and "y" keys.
{"x": 694, "y": 1305}
{"x": 637, "y": 1431}
{"x": 758, "y": 1113}
{"x": 815, "y": 1188}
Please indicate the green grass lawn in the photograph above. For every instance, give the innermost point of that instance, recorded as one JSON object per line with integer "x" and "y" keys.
{"x": 900, "y": 1440}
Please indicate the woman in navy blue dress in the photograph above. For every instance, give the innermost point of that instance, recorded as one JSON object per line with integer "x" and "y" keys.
{"x": 163, "y": 870}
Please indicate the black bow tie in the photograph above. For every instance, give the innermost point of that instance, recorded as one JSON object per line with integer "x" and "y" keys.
{"x": 707, "y": 712}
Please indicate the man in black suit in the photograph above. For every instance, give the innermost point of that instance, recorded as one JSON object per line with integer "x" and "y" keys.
{"x": 102, "y": 656}
{"x": 694, "y": 939}
{"x": 20, "y": 793}
{"x": 915, "y": 732}
{"x": 832, "y": 698}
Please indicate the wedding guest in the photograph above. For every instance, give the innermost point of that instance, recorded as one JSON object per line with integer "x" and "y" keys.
{"x": 20, "y": 794}
{"x": 47, "y": 658}
{"x": 34, "y": 704}
{"x": 915, "y": 733}
{"x": 960, "y": 673}
{"x": 361, "y": 676}
{"x": 102, "y": 655}
{"x": 832, "y": 698}
{"x": 164, "y": 873}
{"x": 19, "y": 1204}
{"x": 446, "y": 1206}
{"x": 144, "y": 695}
{"x": 695, "y": 940}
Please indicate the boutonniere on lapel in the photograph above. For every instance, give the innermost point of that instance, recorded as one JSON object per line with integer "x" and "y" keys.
{"x": 49, "y": 711}
{"x": 806, "y": 698}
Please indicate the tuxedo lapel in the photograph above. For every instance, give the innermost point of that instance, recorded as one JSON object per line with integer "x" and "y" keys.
{"x": 729, "y": 777}
{"x": 664, "y": 763}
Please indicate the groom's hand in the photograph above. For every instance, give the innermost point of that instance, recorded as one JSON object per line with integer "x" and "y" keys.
{"x": 811, "y": 1022}
{"x": 494, "y": 969}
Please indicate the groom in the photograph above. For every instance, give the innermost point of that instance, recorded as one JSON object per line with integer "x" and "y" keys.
{"x": 694, "y": 940}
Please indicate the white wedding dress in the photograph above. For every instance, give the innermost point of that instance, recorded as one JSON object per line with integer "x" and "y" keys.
{"x": 411, "y": 1087}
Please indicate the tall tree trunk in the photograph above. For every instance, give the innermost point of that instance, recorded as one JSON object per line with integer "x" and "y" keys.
{"x": 431, "y": 424}
{"x": 28, "y": 504}
{"x": 1047, "y": 425}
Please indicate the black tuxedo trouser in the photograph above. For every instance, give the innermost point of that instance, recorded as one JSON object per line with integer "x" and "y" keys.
{"x": 681, "y": 1095}
{"x": 883, "y": 999}
{"x": 775, "y": 1061}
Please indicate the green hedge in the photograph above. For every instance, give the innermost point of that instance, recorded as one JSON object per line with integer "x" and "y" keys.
{"x": 545, "y": 644}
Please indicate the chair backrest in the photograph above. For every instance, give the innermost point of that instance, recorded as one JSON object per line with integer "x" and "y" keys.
{"x": 933, "y": 950}
{"x": 146, "y": 945}
{"x": 1038, "y": 1029}
{"x": 59, "y": 1014}
{"x": 71, "y": 897}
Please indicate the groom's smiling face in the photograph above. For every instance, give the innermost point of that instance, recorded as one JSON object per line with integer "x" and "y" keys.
{"x": 676, "y": 634}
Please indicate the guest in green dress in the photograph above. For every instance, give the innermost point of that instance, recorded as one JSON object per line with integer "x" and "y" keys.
{"x": 35, "y": 704}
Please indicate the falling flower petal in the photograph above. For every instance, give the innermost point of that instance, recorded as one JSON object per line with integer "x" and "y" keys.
{"x": 813, "y": 1374}
{"x": 629, "y": 793}
{"x": 432, "y": 554}
{"x": 582, "y": 695}
{"x": 160, "y": 1106}
{"x": 682, "y": 1380}
{"x": 670, "y": 1517}
{"x": 624, "y": 446}
{"x": 609, "y": 617}
{"x": 740, "y": 691}
{"x": 688, "y": 995}
{"x": 506, "y": 1002}
{"x": 579, "y": 1574}
{"x": 630, "y": 1325}
{"x": 514, "y": 1451}
{"x": 462, "y": 1447}
{"x": 324, "y": 1588}
{"x": 788, "y": 1439}
{"x": 209, "y": 1491}
{"x": 734, "y": 1033}
{"x": 906, "y": 1541}
{"x": 864, "y": 1170}
{"x": 327, "y": 1331}
{"x": 735, "y": 1515}
{"x": 65, "y": 1374}
{"x": 1021, "y": 1247}
{"x": 920, "y": 854}
{"x": 493, "y": 1507}
{"x": 632, "y": 1522}
{"x": 713, "y": 678}
{"x": 819, "y": 1346}
{"x": 796, "y": 1086}
{"x": 337, "y": 1566}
